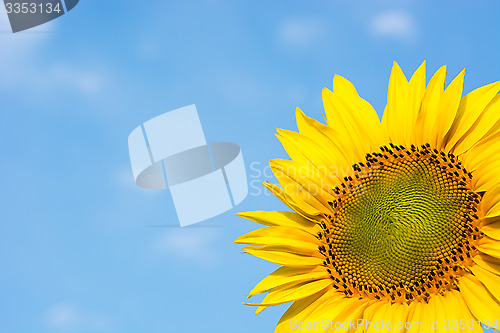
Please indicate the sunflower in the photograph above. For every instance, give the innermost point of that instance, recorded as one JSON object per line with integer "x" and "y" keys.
{"x": 395, "y": 223}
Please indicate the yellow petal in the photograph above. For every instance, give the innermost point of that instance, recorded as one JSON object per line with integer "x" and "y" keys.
{"x": 350, "y": 316}
{"x": 383, "y": 314}
{"x": 481, "y": 303}
{"x": 486, "y": 149}
{"x": 489, "y": 246}
{"x": 303, "y": 208}
{"x": 462, "y": 315}
{"x": 490, "y": 220}
{"x": 486, "y": 121}
{"x": 371, "y": 310}
{"x": 299, "y": 311}
{"x": 449, "y": 308}
{"x": 325, "y": 179}
{"x": 394, "y": 118}
{"x": 286, "y": 275}
{"x": 415, "y": 319}
{"x": 285, "y": 256}
{"x": 302, "y": 189}
{"x": 492, "y": 230}
{"x": 486, "y": 176}
{"x": 429, "y": 316}
{"x": 340, "y": 312}
{"x": 280, "y": 236}
{"x": 448, "y": 106}
{"x": 446, "y": 311}
{"x": 283, "y": 219}
{"x": 305, "y": 150}
{"x": 260, "y": 309}
{"x": 339, "y": 116}
{"x": 490, "y": 204}
{"x": 399, "y": 317}
{"x": 491, "y": 281}
{"x": 339, "y": 146}
{"x": 416, "y": 90}
{"x": 427, "y": 117}
{"x": 469, "y": 110}
{"x": 487, "y": 262}
{"x": 361, "y": 113}
{"x": 294, "y": 292}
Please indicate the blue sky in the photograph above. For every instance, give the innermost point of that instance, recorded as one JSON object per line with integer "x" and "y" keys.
{"x": 80, "y": 250}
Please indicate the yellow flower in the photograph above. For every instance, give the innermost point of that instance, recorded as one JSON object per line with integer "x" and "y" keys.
{"x": 395, "y": 222}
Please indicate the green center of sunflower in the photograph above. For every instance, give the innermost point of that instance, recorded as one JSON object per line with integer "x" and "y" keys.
{"x": 404, "y": 227}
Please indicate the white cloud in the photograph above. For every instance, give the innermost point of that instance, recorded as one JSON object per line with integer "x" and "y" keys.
{"x": 296, "y": 93}
{"x": 395, "y": 24}
{"x": 18, "y": 47}
{"x": 301, "y": 32}
{"x": 240, "y": 87}
{"x": 86, "y": 81}
{"x": 149, "y": 49}
{"x": 190, "y": 244}
{"x": 21, "y": 65}
{"x": 42, "y": 80}
{"x": 124, "y": 177}
{"x": 67, "y": 317}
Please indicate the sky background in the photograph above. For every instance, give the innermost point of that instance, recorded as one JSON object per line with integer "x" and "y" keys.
{"x": 82, "y": 248}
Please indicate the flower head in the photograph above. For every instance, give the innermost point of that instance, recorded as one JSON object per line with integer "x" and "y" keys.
{"x": 394, "y": 221}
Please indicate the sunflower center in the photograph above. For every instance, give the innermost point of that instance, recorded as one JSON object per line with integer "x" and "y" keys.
{"x": 404, "y": 227}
